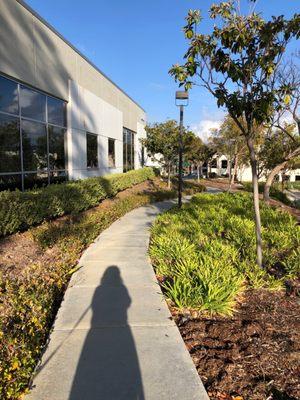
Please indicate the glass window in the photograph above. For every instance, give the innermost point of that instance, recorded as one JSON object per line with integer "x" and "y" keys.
{"x": 224, "y": 163}
{"x": 9, "y": 101}
{"x": 34, "y": 141}
{"x": 92, "y": 150}
{"x": 57, "y": 138}
{"x": 37, "y": 179}
{"x": 213, "y": 163}
{"x": 143, "y": 156}
{"x": 111, "y": 153}
{"x": 33, "y": 104}
{"x": 10, "y": 160}
{"x": 56, "y": 111}
{"x": 11, "y": 182}
{"x": 58, "y": 176}
{"x": 128, "y": 149}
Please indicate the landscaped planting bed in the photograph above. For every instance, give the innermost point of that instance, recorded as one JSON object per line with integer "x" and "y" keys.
{"x": 35, "y": 268}
{"x": 241, "y": 324}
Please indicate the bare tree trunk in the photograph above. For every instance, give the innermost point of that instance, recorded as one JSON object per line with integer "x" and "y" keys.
{"x": 275, "y": 171}
{"x": 198, "y": 173}
{"x": 257, "y": 220}
{"x": 236, "y": 162}
{"x": 229, "y": 175}
{"x": 169, "y": 176}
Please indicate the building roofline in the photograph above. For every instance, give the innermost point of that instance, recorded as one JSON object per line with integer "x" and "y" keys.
{"x": 46, "y": 23}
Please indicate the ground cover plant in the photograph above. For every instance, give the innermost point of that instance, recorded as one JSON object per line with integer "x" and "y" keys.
{"x": 204, "y": 257}
{"x": 35, "y": 267}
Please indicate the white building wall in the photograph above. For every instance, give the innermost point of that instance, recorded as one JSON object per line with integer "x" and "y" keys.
{"x": 89, "y": 113}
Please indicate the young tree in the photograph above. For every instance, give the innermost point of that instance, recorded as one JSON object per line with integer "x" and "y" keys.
{"x": 228, "y": 141}
{"x": 196, "y": 154}
{"x": 287, "y": 149}
{"x": 235, "y": 63}
{"x": 162, "y": 143}
{"x": 278, "y": 153}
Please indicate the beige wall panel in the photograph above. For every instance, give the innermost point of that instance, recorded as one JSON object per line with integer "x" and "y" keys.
{"x": 39, "y": 57}
{"x": 17, "y": 56}
{"x": 52, "y": 68}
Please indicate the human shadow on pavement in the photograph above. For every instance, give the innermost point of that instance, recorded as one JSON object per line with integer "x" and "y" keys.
{"x": 108, "y": 368}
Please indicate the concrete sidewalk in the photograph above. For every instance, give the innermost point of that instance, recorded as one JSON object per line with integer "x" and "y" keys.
{"x": 113, "y": 337}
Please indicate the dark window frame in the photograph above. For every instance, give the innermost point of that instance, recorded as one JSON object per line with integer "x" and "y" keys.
{"x": 112, "y": 159}
{"x": 22, "y": 172}
{"x": 93, "y": 166}
{"x": 128, "y": 149}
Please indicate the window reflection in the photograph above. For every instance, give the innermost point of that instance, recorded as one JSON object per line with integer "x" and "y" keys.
{"x": 128, "y": 149}
{"x": 111, "y": 153}
{"x": 34, "y": 138}
{"x": 56, "y": 111}
{"x": 11, "y": 182}
{"x": 10, "y": 160}
{"x": 92, "y": 150}
{"x": 34, "y": 141}
{"x": 9, "y": 101}
{"x": 33, "y": 104}
{"x": 36, "y": 179}
{"x": 56, "y": 148}
{"x": 58, "y": 176}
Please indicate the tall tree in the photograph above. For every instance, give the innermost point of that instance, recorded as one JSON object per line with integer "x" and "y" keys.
{"x": 235, "y": 63}
{"x": 162, "y": 143}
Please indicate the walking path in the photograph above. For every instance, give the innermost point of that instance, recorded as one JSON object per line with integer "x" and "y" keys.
{"x": 114, "y": 337}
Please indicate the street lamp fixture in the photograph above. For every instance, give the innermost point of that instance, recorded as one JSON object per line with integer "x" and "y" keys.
{"x": 181, "y": 101}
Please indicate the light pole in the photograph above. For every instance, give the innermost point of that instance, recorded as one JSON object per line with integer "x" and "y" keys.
{"x": 181, "y": 100}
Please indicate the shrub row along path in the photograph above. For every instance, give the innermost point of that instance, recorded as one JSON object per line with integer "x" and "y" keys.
{"x": 114, "y": 337}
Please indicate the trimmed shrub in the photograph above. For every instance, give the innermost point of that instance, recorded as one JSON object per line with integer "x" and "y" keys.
{"x": 20, "y": 210}
{"x": 29, "y": 299}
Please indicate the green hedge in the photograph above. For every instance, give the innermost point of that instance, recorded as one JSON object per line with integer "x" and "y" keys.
{"x": 31, "y": 297}
{"x": 20, "y": 210}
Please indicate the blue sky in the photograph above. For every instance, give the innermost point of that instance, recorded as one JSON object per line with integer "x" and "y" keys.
{"x": 135, "y": 42}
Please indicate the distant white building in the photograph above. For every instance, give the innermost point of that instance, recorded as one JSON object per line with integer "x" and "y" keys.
{"x": 220, "y": 166}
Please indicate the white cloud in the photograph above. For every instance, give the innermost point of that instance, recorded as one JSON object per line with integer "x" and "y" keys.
{"x": 203, "y": 129}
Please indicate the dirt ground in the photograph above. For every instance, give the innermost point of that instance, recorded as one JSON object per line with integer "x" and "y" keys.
{"x": 254, "y": 355}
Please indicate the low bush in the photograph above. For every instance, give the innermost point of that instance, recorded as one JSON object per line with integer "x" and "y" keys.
{"x": 205, "y": 253}
{"x": 29, "y": 300}
{"x": 20, "y": 210}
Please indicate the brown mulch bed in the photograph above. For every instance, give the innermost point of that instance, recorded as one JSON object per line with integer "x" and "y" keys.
{"x": 19, "y": 250}
{"x": 254, "y": 355}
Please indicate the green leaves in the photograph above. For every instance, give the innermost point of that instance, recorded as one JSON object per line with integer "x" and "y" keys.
{"x": 205, "y": 253}
{"x": 237, "y": 60}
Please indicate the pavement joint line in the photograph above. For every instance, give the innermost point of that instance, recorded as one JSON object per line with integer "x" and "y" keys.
{"x": 86, "y": 359}
{"x": 134, "y": 325}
